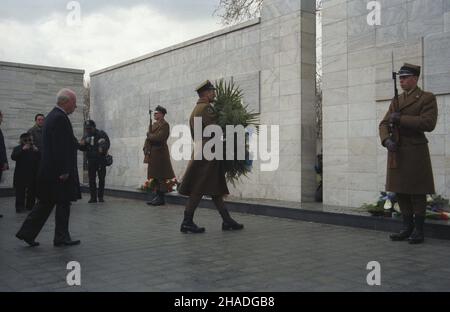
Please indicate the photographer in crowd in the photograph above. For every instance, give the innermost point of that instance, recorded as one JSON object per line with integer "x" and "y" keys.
{"x": 27, "y": 156}
{"x": 96, "y": 145}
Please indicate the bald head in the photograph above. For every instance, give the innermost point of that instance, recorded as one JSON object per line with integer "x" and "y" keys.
{"x": 67, "y": 100}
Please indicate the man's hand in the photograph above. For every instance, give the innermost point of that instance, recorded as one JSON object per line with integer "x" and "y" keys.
{"x": 390, "y": 145}
{"x": 26, "y": 147}
{"x": 83, "y": 142}
{"x": 64, "y": 177}
{"x": 5, "y": 167}
{"x": 395, "y": 118}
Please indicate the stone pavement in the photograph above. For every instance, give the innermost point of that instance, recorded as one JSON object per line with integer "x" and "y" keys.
{"x": 129, "y": 246}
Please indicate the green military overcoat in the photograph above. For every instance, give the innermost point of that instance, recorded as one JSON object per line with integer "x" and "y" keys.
{"x": 204, "y": 176}
{"x": 413, "y": 173}
{"x": 159, "y": 165}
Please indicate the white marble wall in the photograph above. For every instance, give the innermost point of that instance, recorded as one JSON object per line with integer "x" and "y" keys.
{"x": 279, "y": 48}
{"x": 357, "y": 88}
{"x": 26, "y": 90}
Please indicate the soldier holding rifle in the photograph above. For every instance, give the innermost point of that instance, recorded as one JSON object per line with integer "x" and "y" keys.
{"x": 409, "y": 171}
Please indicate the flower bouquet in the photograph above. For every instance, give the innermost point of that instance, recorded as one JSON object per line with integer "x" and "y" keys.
{"x": 151, "y": 185}
{"x": 231, "y": 111}
{"x": 437, "y": 208}
{"x": 387, "y": 205}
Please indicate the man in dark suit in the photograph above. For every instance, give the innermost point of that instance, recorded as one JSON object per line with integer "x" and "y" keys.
{"x": 3, "y": 158}
{"x": 58, "y": 182}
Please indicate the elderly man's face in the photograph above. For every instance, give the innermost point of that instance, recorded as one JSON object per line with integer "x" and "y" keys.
{"x": 408, "y": 83}
{"x": 71, "y": 104}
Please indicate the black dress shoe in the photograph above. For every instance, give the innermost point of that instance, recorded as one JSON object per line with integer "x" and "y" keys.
{"x": 101, "y": 200}
{"x": 1, "y": 216}
{"x": 30, "y": 242}
{"x": 67, "y": 243}
{"x": 92, "y": 201}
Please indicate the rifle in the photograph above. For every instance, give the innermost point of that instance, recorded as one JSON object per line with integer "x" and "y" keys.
{"x": 393, "y": 130}
{"x": 146, "y": 148}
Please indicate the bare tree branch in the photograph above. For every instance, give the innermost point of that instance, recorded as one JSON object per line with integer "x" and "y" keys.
{"x": 86, "y": 101}
{"x": 236, "y": 11}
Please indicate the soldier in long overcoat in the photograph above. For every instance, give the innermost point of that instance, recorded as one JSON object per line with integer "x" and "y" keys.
{"x": 158, "y": 157}
{"x": 409, "y": 171}
{"x": 203, "y": 176}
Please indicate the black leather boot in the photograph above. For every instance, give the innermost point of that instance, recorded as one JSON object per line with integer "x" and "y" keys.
{"x": 417, "y": 236}
{"x": 158, "y": 200}
{"x": 188, "y": 225}
{"x": 408, "y": 227}
{"x": 151, "y": 197}
{"x": 228, "y": 223}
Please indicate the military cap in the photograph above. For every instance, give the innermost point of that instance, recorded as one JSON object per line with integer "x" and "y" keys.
{"x": 409, "y": 70}
{"x": 89, "y": 124}
{"x": 207, "y": 85}
{"x": 161, "y": 109}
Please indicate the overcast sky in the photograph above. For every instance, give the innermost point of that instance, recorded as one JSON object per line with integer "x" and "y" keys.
{"x": 45, "y": 32}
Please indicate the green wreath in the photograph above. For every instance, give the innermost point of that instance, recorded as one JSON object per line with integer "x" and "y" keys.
{"x": 231, "y": 111}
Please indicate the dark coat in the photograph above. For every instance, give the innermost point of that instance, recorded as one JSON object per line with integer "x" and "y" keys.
{"x": 58, "y": 157}
{"x": 27, "y": 165}
{"x": 204, "y": 176}
{"x": 159, "y": 165}
{"x": 3, "y": 158}
{"x": 36, "y": 132}
{"x": 92, "y": 149}
{"x": 414, "y": 174}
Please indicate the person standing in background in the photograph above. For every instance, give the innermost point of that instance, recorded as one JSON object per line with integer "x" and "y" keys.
{"x": 3, "y": 159}
{"x": 36, "y": 130}
{"x": 26, "y": 155}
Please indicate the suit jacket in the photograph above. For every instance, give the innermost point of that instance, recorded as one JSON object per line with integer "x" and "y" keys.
{"x": 3, "y": 158}
{"x": 204, "y": 176}
{"x": 414, "y": 174}
{"x": 58, "y": 157}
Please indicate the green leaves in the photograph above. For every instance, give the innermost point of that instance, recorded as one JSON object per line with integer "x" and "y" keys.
{"x": 231, "y": 111}
{"x": 230, "y": 108}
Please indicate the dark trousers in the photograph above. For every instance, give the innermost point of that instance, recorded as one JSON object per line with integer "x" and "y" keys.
{"x": 38, "y": 216}
{"x": 96, "y": 167}
{"x": 412, "y": 204}
{"x": 25, "y": 197}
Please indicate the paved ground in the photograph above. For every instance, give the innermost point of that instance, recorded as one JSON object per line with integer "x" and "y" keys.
{"x": 128, "y": 246}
